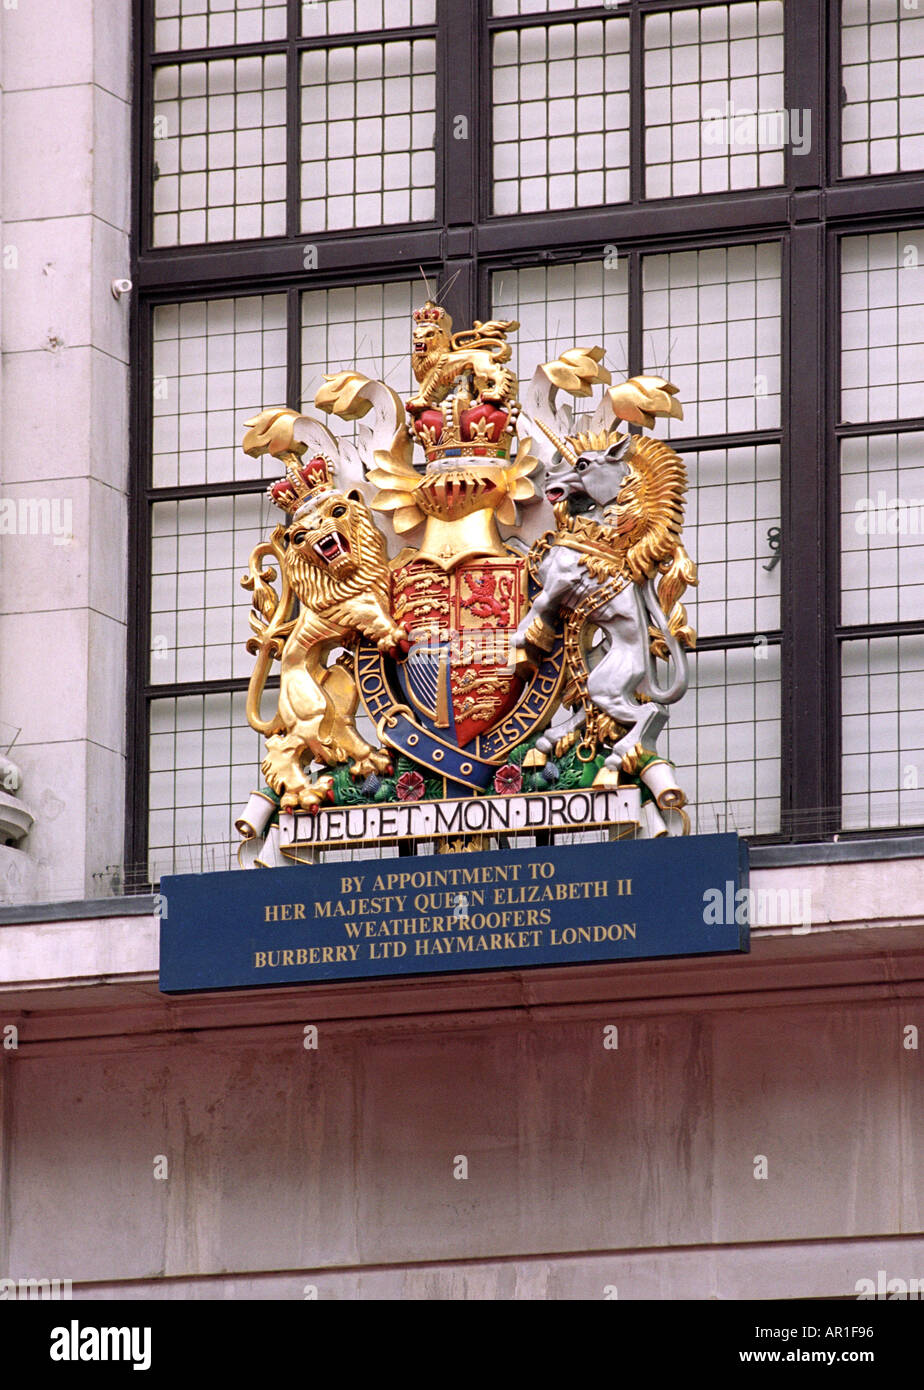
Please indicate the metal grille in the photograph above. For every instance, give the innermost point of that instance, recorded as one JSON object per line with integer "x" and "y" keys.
{"x": 561, "y": 116}
{"x": 882, "y": 71}
{"x": 882, "y": 326}
{"x": 182, "y": 24}
{"x": 712, "y": 321}
{"x": 368, "y": 119}
{"x": 883, "y": 732}
{"x": 715, "y": 117}
{"x": 220, "y": 170}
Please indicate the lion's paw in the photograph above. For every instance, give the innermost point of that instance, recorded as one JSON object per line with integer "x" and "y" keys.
{"x": 313, "y": 797}
{"x": 376, "y": 760}
{"x": 309, "y": 797}
{"x": 394, "y": 640}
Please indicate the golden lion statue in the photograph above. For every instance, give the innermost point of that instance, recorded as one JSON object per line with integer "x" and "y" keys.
{"x": 334, "y": 564}
{"x": 440, "y": 357}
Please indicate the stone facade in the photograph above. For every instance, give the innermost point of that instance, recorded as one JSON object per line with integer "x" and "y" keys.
{"x": 65, "y": 210}
{"x": 194, "y": 1148}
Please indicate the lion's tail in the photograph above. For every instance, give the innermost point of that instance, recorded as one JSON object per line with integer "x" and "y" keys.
{"x": 267, "y": 652}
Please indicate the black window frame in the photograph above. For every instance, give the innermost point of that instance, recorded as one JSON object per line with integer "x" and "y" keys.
{"x": 808, "y": 216}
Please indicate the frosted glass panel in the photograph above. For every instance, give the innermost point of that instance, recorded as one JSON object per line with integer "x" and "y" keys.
{"x": 216, "y": 23}
{"x": 561, "y": 116}
{"x": 368, "y": 327}
{"x": 205, "y": 760}
{"x": 882, "y": 529}
{"x": 882, "y": 326}
{"x": 712, "y": 326}
{"x": 216, "y": 363}
{"x": 714, "y": 104}
{"x": 368, "y": 131}
{"x": 882, "y": 73}
{"x": 559, "y": 307}
{"x": 220, "y": 150}
{"x": 724, "y": 737}
{"x": 199, "y": 551}
{"x": 354, "y": 16}
{"x": 732, "y": 531}
{"x": 882, "y": 694}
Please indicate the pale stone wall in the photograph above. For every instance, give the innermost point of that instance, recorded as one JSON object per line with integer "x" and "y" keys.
{"x": 65, "y": 206}
{"x": 588, "y": 1168}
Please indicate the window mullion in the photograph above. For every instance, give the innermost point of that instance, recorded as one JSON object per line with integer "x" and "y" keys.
{"x": 809, "y": 734}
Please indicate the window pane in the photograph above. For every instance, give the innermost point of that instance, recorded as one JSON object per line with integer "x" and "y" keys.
{"x": 882, "y": 529}
{"x": 724, "y": 736}
{"x": 882, "y": 692}
{"x": 561, "y": 116}
{"x": 731, "y": 529}
{"x": 882, "y": 326}
{"x": 882, "y": 73}
{"x": 214, "y": 23}
{"x": 367, "y": 327}
{"x": 712, "y": 326}
{"x": 205, "y": 761}
{"x": 216, "y": 363}
{"x": 220, "y": 150}
{"x": 715, "y": 117}
{"x": 368, "y": 131}
{"x": 200, "y": 549}
{"x": 563, "y": 306}
{"x": 508, "y": 7}
{"x": 356, "y": 16}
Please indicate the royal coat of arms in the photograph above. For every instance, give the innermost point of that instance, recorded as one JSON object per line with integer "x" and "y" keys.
{"x": 427, "y": 652}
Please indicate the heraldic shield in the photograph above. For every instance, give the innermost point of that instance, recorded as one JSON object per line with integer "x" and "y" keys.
{"x": 459, "y": 674}
{"x": 457, "y": 702}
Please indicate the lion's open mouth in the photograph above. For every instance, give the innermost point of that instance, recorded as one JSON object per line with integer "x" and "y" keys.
{"x": 331, "y": 547}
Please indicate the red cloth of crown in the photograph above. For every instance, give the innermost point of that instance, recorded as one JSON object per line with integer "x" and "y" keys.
{"x": 314, "y": 474}
{"x": 433, "y": 420}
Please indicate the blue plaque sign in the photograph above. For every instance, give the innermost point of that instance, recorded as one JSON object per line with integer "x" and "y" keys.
{"x": 498, "y": 910}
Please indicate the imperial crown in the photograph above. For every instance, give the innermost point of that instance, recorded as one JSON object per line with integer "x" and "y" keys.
{"x": 302, "y": 484}
{"x": 452, "y": 431}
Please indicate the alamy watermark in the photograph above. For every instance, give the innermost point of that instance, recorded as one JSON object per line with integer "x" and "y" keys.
{"x": 886, "y": 1287}
{"x": 758, "y": 907}
{"x": 743, "y": 128}
{"x": 890, "y": 516}
{"x": 35, "y": 1290}
{"x": 493, "y": 647}
{"x": 37, "y": 516}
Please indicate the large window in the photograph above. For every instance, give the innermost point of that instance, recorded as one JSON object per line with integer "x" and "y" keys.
{"x": 721, "y": 193}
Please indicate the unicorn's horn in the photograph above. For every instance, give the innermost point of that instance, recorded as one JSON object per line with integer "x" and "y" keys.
{"x": 562, "y": 445}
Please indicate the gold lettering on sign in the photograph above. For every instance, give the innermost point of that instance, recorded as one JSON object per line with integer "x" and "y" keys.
{"x": 305, "y": 955}
{"x": 284, "y": 912}
{"x": 572, "y": 936}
